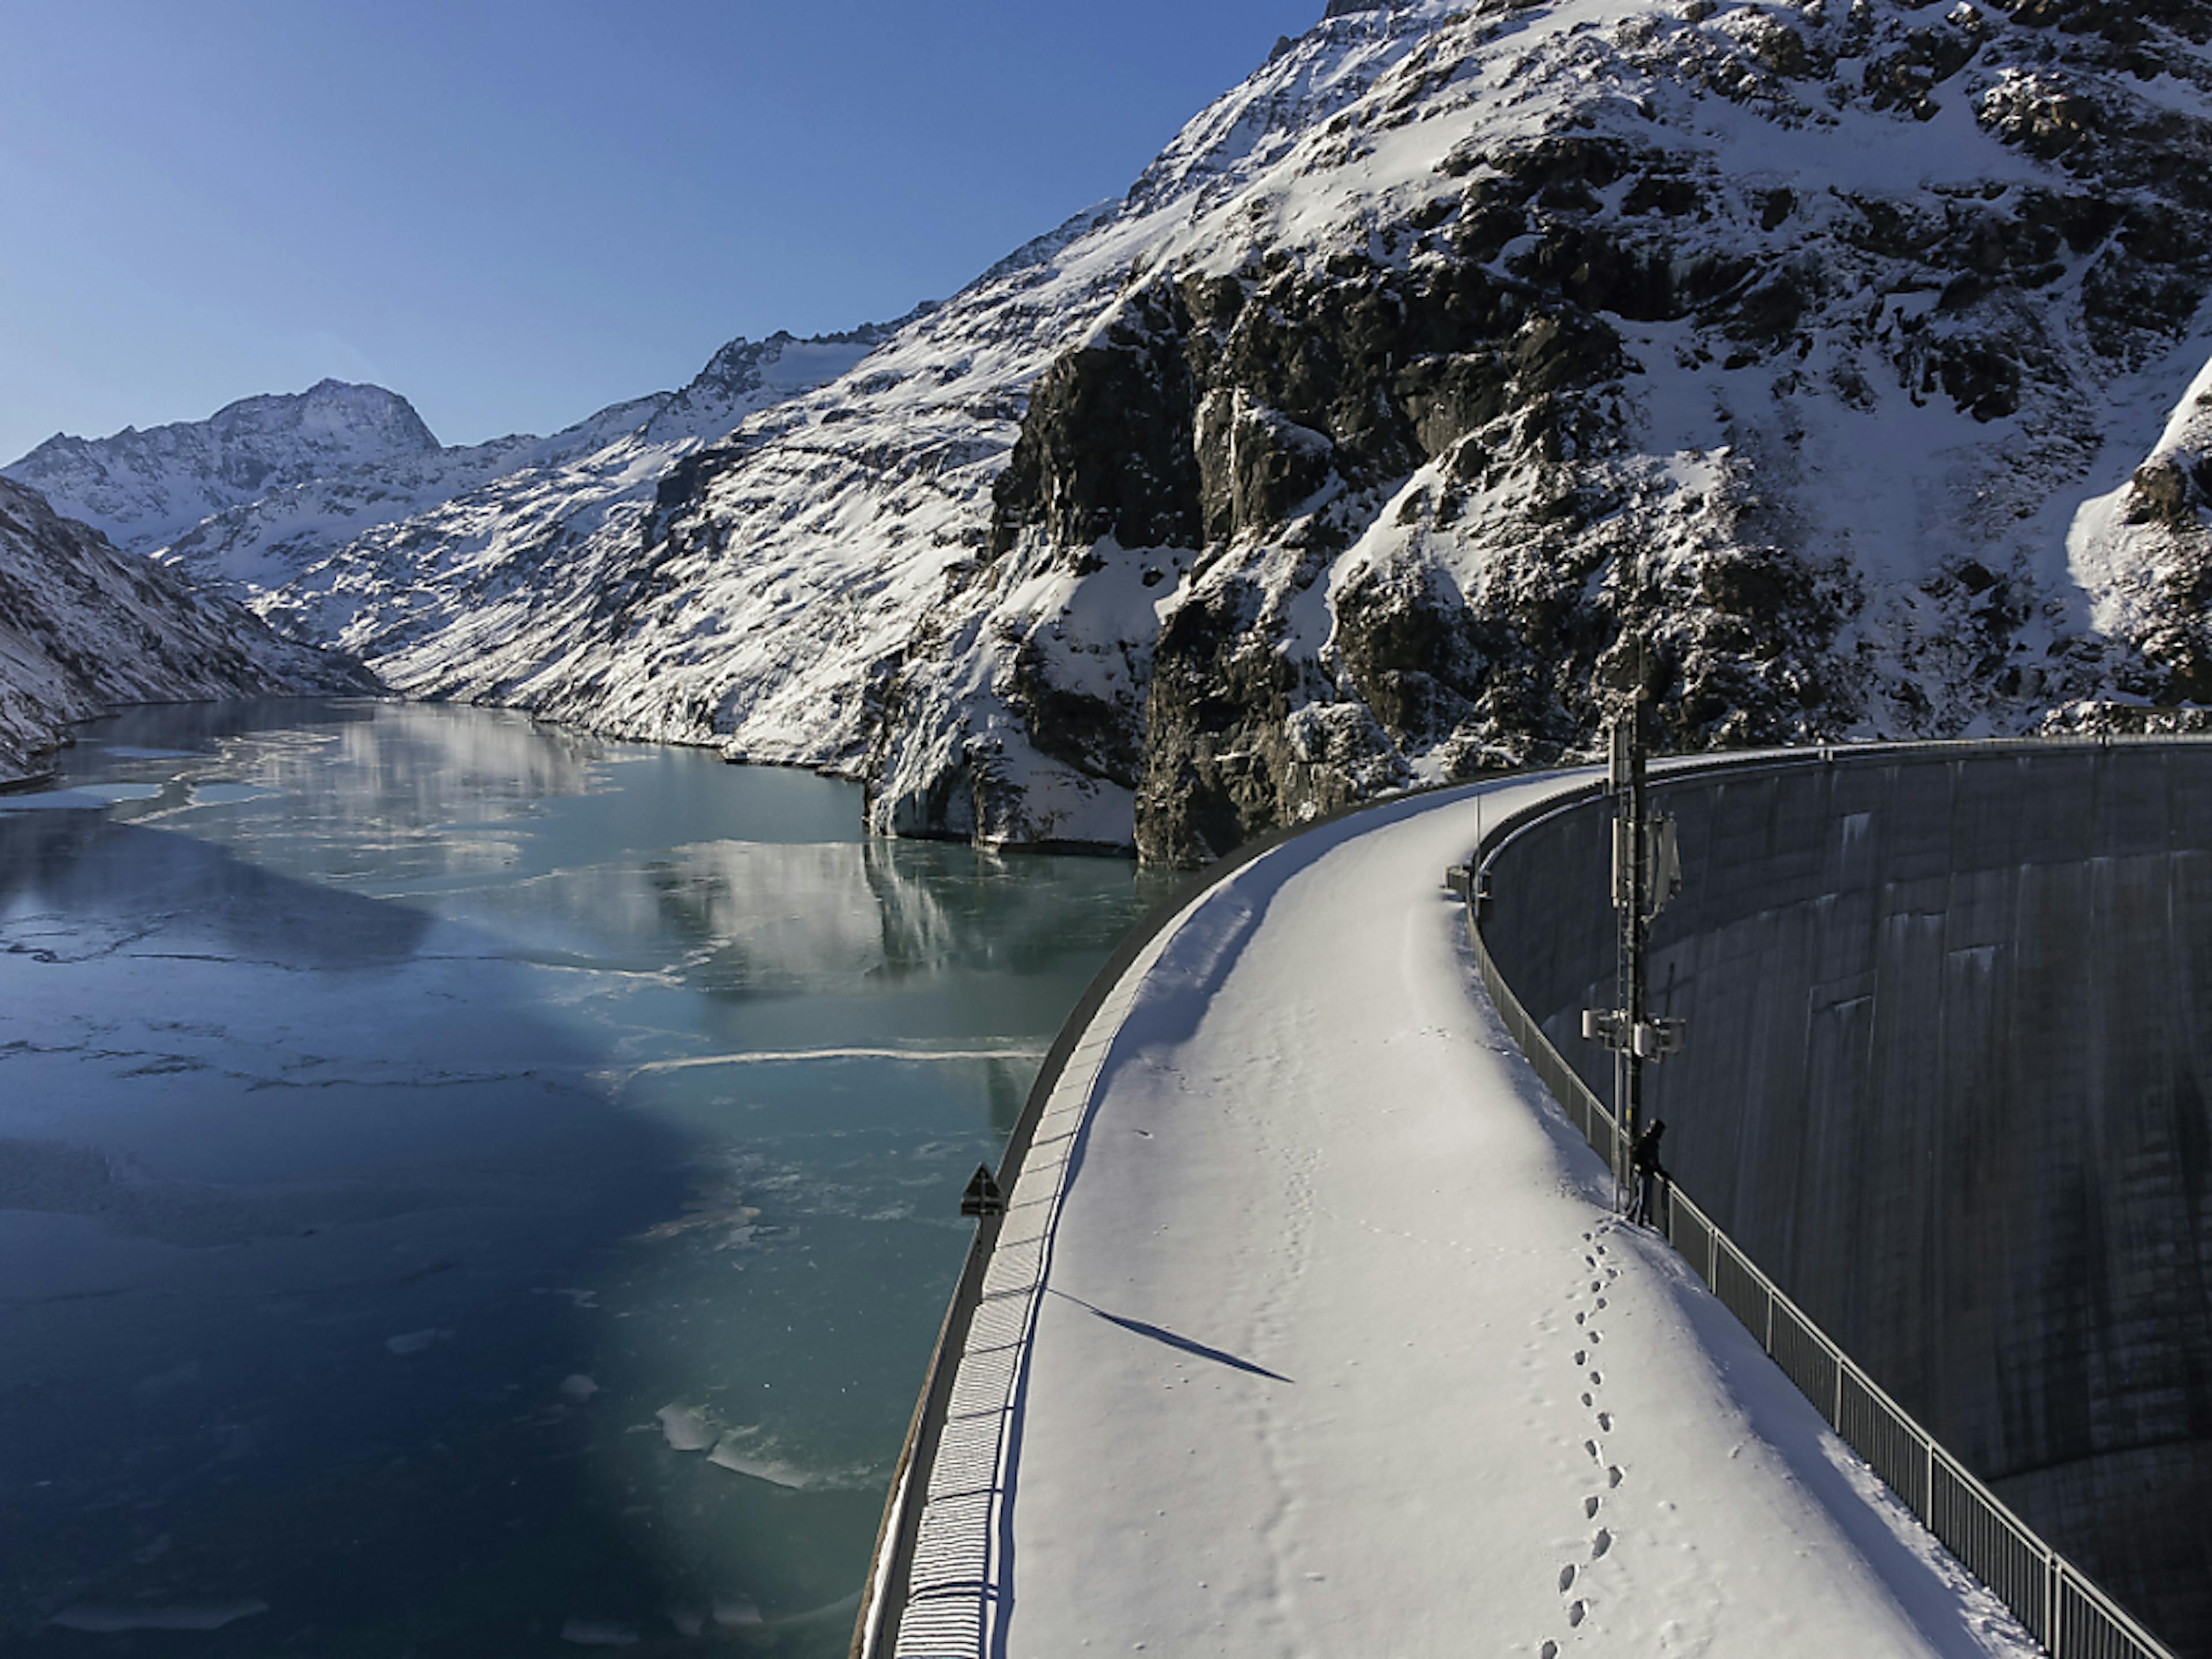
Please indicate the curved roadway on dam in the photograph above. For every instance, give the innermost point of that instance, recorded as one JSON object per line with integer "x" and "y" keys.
{"x": 1308, "y": 1331}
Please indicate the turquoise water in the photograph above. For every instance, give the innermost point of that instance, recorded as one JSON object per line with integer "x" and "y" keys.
{"x": 470, "y": 1189}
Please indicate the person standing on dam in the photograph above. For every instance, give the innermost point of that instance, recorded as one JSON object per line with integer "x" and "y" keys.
{"x": 1648, "y": 1173}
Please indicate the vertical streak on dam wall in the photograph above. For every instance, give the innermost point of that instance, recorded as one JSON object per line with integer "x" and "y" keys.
{"x": 1950, "y": 1044}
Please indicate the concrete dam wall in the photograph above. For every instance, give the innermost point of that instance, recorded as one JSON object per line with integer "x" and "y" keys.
{"x": 1949, "y": 1081}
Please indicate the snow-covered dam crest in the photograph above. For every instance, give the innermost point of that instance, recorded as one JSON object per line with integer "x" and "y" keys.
{"x": 1308, "y": 1328}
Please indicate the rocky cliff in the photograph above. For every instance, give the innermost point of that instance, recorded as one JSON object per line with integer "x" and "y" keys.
{"x": 1814, "y": 347}
{"x": 85, "y": 628}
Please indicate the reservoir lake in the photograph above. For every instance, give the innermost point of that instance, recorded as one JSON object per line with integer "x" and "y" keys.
{"x": 468, "y": 1188}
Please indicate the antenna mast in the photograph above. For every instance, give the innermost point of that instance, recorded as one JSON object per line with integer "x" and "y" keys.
{"x": 1647, "y": 871}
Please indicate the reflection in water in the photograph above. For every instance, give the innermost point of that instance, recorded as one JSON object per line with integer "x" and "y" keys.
{"x": 467, "y": 1188}
{"x": 768, "y": 919}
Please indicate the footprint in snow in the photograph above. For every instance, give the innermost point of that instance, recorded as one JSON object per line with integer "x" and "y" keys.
{"x": 1574, "y": 1615}
{"x": 1612, "y": 1475}
{"x": 1605, "y": 1422}
{"x": 1600, "y": 1544}
{"x": 1590, "y": 1505}
{"x": 1566, "y": 1577}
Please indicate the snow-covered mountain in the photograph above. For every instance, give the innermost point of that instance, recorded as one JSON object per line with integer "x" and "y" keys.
{"x": 447, "y": 570}
{"x": 1845, "y": 352}
{"x": 267, "y": 488}
{"x": 260, "y": 543}
{"x": 142, "y": 489}
{"x": 85, "y": 628}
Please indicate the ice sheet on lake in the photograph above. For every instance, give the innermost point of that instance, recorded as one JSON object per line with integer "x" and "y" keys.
{"x": 685, "y": 1428}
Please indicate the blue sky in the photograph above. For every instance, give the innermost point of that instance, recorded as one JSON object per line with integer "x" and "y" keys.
{"x": 516, "y": 213}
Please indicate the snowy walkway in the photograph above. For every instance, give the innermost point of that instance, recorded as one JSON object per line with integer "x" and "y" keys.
{"x": 1337, "y": 1351}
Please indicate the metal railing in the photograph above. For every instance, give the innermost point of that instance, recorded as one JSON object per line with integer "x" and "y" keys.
{"x": 2057, "y": 1604}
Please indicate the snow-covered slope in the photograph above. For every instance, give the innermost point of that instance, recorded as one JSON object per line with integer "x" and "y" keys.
{"x": 1456, "y": 345}
{"x": 520, "y": 549}
{"x": 259, "y": 544}
{"x": 84, "y": 629}
{"x": 783, "y": 577}
{"x": 268, "y": 488}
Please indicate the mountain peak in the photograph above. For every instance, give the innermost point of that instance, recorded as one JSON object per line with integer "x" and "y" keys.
{"x": 370, "y": 417}
{"x": 142, "y": 488}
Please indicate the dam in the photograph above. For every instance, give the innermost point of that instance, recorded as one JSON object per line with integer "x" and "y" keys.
{"x": 1307, "y": 1322}
{"x": 1950, "y": 1035}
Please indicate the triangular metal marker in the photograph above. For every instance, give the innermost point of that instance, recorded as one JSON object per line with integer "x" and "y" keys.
{"x": 983, "y": 1197}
